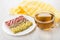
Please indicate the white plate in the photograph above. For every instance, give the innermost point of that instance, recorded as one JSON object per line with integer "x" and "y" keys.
{"x": 8, "y": 31}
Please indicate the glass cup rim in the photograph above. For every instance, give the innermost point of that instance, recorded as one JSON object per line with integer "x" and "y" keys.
{"x": 45, "y": 22}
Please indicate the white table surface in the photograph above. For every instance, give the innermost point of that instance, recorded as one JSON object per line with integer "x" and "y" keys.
{"x": 37, "y": 34}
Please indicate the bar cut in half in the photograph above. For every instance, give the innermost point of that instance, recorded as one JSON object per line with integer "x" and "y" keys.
{"x": 18, "y": 24}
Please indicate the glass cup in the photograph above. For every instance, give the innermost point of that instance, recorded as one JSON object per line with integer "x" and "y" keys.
{"x": 45, "y": 20}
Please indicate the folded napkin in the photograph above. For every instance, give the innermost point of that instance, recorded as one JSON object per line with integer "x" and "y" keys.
{"x": 32, "y": 7}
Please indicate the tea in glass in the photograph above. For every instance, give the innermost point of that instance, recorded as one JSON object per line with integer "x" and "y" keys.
{"x": 44, "y": 20}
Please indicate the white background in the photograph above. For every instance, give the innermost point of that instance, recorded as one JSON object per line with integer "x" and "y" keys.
{"x": 37, "y": 34}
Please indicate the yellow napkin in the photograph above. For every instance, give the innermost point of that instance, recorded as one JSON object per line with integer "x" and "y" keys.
{"x": 32, "y": 7}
